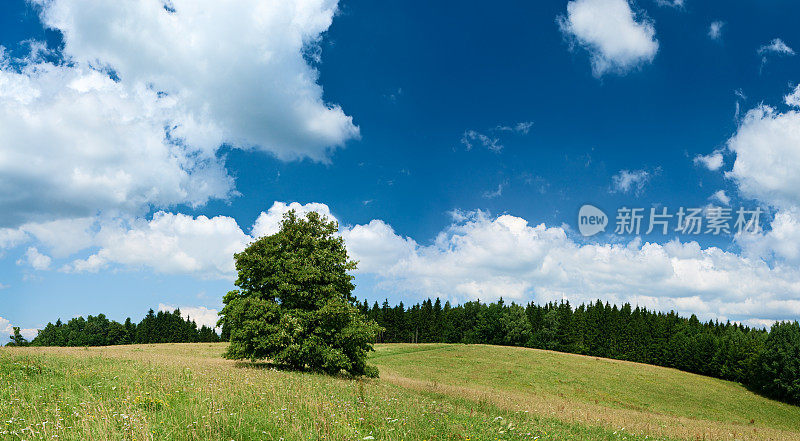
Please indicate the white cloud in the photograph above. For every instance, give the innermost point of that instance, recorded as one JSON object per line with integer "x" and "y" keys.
{"x": 520, "y": 127}
{"x": 64, "y": 237}
{"x": 169, "y": 243}
{"x": 11, "y": 237}
{"x": 767, "y": 148}
{"x": 721, "y": 197}
{"x": 782, "y": 241}
{"x": 480, "y": 256}
{"x": 75, "y": 143}
{"x": 199, "y": 314}
{"x": 376, "y": 246}
{"x": 487, "y": 257}
{"x": 713, "y": 161}
{"x": 124, "y": 125}
{"x": 489, "y": 142}
{"x": 496, "y": 193}
{"x": 237, "y": 70}
{"x": 269, "y": 222}
{"x": 793, "y": 99}
{"x": 173, "y": 243}
{"x": 678, "y": 4}
{"x": 35, "y": 259}
{"x": 715, "y": 30}
{"x": 617, "y": 39}
{"x": 6, "y": 330}
{"x": 776, "y": 46}
{"x": 626, "y": 180}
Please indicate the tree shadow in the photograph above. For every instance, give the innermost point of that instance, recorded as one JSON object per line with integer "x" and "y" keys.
{"x": 770, "y": 396}
{"x": 267, "y": 365}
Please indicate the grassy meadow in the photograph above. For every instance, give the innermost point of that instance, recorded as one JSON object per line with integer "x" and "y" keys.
{"x": 426, "y": 392}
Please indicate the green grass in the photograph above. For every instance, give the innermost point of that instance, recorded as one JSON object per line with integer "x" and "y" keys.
{"x": 623, "y": 393}
{"x": 427, "y": 392}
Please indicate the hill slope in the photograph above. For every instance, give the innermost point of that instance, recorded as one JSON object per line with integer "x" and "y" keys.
{"x": 427, "y": 392}
{"x": 613, "y": 393}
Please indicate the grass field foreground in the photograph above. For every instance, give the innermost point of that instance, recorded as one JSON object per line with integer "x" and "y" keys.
{"x": 426, "y": 392}
{"x": 186, "y": 391}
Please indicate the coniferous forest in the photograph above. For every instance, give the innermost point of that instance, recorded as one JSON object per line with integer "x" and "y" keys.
{"x": 161, "y": 327}
{"x": 768, "y": 361}
{"x": 764, "y": 360}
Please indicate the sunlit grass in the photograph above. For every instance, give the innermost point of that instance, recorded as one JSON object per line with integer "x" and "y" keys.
{"x": 166, "y": 392}
{"x": 188, "y": 392}
{"x": 614, "y": 393}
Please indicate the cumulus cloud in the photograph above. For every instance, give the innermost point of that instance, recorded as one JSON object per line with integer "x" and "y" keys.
{"x": 626, "y": 181}
{"x": 35, "y": 259}
{"x": 76, "y": 142}
{"x": 487, "y": 257}
{"x": 199, "y": 314}
{"x": 169, "y": 243}
{"x": 120, "y": 125}
{"x": 239, "y": 72}
{"x": 782, "y": 241}
{"x": 793, "y": 99}
{"x": 713, "y": 161}
{"x": 715, "y": 30}
{"x": 174, "y": 243}
{"x": 11, "y": 237}
{"x": 721, "y": 197}
{"x": 63, "y": 237}
{"x": 376, "y": 246}
{"x": 617, "y": 39}
{"x": 767, "y": 148}
{"x": 204, "y": 247}
{"x": 269, "y": 222}
{"x": 6, "y": 330}
{"x": 480, "y": 256}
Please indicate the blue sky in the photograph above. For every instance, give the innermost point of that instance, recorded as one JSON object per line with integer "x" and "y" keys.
{"x": 454, "y": 145}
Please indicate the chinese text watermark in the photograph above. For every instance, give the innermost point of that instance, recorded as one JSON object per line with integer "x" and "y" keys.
{"x": 686, "y": 221}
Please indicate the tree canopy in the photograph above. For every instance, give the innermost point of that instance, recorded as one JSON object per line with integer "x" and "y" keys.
{"x": 294, "y": 305}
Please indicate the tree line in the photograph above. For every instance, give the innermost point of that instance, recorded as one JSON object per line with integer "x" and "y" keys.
{"x": 161, "y": 327}
{"x": 768, "y": 361}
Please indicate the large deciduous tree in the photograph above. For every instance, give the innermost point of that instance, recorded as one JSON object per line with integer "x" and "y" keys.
{"x": 294, "y": 305}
